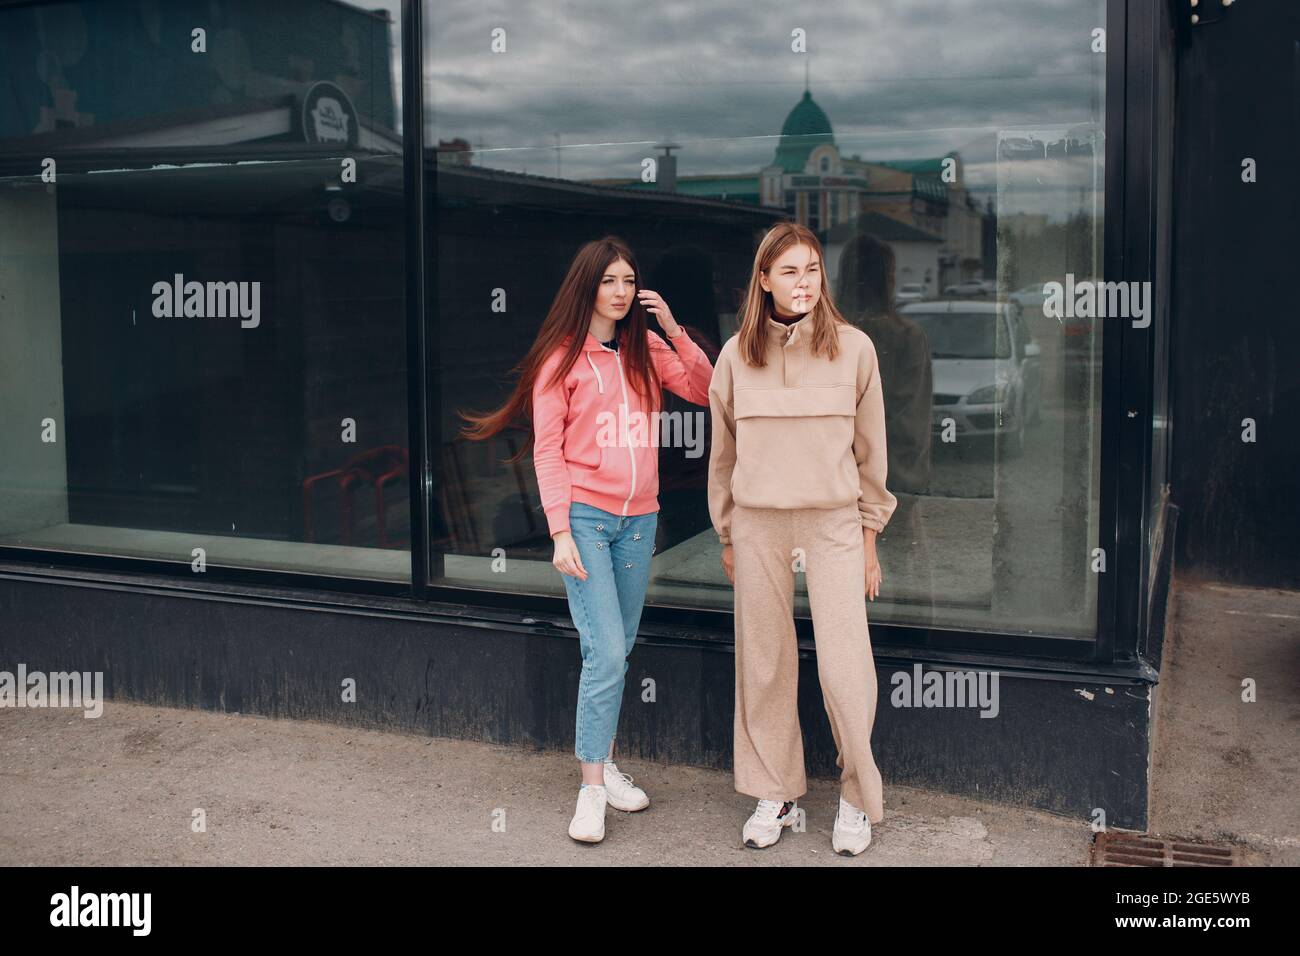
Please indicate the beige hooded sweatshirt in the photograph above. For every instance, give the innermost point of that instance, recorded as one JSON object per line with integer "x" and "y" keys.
{"x": 802, "y": 431}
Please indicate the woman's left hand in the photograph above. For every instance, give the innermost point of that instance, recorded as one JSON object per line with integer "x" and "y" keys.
{"x": 654, "y": 303}
{"x": 873, "y": 575}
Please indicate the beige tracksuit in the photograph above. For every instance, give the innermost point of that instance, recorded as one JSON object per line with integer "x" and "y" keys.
{"x": 796, "y": 469}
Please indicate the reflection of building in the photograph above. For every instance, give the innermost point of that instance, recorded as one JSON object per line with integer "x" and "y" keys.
{"x": 455, "y": 152}
{"x": 930, "y": 194}
{"x": 916, "y": 252}
{"x": 321, "y": 75}
{"x": 808, "y": 177}
{"x": 818, "y": 186}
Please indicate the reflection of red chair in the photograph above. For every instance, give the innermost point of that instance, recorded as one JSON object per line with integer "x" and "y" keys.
{"x": 377, "y": 466}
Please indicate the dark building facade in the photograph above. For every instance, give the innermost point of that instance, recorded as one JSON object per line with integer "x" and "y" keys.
{"x": 255, "y": 260}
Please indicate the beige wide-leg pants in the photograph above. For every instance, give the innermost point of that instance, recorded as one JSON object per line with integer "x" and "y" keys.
{"x": 768, "y": 744}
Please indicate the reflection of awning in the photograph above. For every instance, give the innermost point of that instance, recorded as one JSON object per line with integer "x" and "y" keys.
{"x": 203, "y": 187}
{"x": 249, "y": 122}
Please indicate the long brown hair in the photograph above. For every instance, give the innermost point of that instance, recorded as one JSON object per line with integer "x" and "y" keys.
{"x": 570, "y": 317}
{"x": 758, "y": 305}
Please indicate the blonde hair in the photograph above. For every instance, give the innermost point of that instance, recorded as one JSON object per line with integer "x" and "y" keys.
{"x": 758, "y": 306}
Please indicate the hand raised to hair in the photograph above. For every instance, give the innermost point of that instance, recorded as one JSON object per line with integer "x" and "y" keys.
{"x": 654, "y": 303}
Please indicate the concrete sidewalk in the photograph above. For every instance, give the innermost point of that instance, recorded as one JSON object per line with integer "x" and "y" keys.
{"x": 1227, "y": 770}
{"x": 121, "y": 790}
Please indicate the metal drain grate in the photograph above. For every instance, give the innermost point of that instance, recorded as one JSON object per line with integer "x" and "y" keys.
{"x": 1143, "y": 849}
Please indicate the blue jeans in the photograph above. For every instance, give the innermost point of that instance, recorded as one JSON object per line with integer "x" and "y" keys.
{"x": 606, "y": 609}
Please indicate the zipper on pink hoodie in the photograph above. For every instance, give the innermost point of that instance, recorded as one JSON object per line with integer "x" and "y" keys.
{"x": 568, "y": 416}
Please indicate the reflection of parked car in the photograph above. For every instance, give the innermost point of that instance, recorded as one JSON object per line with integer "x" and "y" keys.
{"x": 986, "y": 367}
{"x": 1030, "y": 298}
{"x": 912, "y": 292}
{"x": 1075, "y": 331}
{"x": 969, "y": 287}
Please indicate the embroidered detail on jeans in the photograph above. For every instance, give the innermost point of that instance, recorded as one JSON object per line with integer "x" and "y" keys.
{"x": 628, "y": 565}
{"x": 652, "y": 548}
{"x": 600, "y": 527}
{"x": 636, "y": 535}
{"x": 600, "y": 544}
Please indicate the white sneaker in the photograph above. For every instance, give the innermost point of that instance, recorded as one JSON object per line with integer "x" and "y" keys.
{"x": 764, "y": 826}
{"x": 852, "y": 833}
{"x": 588, "y": 825}
{"x": 622, "y": 795}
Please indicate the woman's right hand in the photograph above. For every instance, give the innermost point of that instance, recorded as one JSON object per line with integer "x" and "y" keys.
{"x": 567, "y": 560}
{"x": 729, "y": 563}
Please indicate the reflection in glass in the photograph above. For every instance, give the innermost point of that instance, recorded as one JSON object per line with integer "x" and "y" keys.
{"x": 948, "y": 154}
{"x": 201, "y": 284}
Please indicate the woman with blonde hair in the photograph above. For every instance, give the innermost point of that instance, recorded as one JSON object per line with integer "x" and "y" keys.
{"x": 797, "y": 483}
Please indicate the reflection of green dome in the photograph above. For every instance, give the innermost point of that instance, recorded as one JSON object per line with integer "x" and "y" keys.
{"x": 806, "y": 127}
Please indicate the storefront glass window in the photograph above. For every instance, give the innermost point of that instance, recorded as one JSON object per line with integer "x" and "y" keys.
{"x": 202, "y": 326}
{"x": 968, "y": 139}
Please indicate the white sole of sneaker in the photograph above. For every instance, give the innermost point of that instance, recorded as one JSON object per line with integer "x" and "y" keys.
{"x": 848, "y": 851}
{"x": 586, "y": 839}
{"x": 787, "y": 822}
{"x": 630, "y": 808}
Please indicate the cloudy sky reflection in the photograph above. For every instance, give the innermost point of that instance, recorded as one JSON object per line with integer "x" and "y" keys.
{"x": 897, "y": 78}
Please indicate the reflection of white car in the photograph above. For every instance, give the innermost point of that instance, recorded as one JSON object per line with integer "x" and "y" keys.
{"x": 1030, "y": 298}
{"x": 912, "y": 292}
{"x": 986, "y": 368}
{"x": 969, "y": 287}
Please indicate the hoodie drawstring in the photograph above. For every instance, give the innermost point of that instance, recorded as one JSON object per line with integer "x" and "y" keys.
{"x": 600, "y": 382}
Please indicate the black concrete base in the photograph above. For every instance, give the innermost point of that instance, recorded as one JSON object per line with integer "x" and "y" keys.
{"x": 1070, "y": 744}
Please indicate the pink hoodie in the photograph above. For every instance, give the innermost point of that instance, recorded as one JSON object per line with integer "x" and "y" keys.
{"x": 590, "y": 444}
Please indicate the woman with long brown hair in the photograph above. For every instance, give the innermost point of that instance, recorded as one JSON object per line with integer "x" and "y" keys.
{"x": 591, "y": 386}
{"x": 797, "y": 483}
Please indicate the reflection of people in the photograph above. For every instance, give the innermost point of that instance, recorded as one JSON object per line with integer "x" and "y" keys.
{"x": 591, "y": 384}
{"x": 797, "y": 482}
{"x": 865, "y": 295}
{"x": 866, "y": 298}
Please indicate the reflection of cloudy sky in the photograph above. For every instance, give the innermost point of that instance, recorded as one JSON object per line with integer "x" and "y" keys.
{"x": 897, "y": 78}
